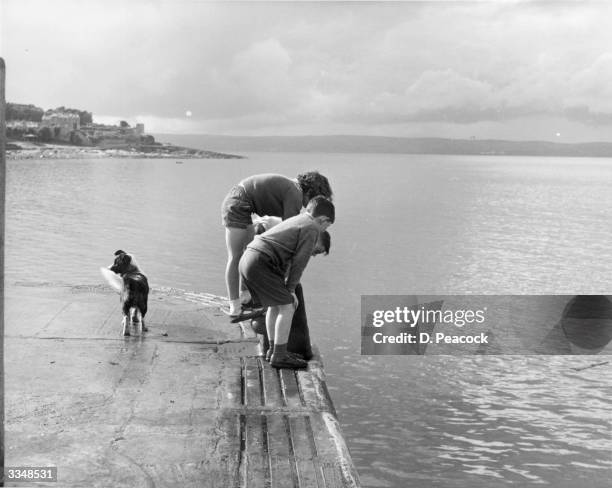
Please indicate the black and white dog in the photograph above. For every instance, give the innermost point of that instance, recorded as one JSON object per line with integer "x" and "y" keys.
{"x": 133, "y": 289}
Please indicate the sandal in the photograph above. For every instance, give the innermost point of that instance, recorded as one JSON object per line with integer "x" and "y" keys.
{"x": 246, "y": 315}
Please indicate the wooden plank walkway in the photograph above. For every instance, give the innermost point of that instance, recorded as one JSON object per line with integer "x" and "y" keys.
{"x": 189, "y": 404}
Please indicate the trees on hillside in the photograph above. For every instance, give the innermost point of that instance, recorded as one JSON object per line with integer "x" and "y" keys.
{"x": 17, "y": 111}
{"x": 147, "y": 139}
{"x": 78, "y": 138}
{"x": 45, "y": 134}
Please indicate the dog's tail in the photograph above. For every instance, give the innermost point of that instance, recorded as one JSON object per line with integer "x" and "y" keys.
{"x": 113, "y": 279}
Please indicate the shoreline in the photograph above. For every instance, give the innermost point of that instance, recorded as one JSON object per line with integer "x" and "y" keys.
{"x": 18, "y": 150}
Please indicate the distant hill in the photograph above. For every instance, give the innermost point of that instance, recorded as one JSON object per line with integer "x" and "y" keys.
{"x": 398, "y": 145}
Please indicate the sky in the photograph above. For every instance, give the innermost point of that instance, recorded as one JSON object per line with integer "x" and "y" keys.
{"x": 518, "y": 70}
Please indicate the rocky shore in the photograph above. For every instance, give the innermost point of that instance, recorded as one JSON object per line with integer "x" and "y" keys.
{"x": 30, "y": 150}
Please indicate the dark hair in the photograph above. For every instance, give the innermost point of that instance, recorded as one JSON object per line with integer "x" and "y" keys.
{"x": 325, "y": 241}
{"x": 259, "y": 228}
{"x": 314, "y": 183}
{"x": 320, "y": 206}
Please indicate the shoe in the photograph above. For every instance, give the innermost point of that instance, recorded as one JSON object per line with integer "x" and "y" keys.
{"x": 289, "y": 353}
{"x": 246, "y": 315}
{"x": 287, "y": 361}
{"x": 237, "y": 312}
{"x": 296, "y": 355}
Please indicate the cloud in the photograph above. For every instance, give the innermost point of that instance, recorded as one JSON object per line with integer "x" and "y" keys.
{"x": 312, "y": 66}
{"x": 259, "y": 77}
{"x": 437, "y": 94}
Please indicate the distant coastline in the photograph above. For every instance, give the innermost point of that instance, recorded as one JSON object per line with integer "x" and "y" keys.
{"x": 393, "y": 145}
{"x": 191, "y": 146}
{"x": 68, "y": 133}
{"x": 20, "y": 150}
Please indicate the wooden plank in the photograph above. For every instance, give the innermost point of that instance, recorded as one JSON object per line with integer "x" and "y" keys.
{"x": 332, "y": 475}
{"x": 308, "y": 469}
{"x": 258, "y": 461}
{"x": 240, "y": 475}
{"x": 290, "y": 388}
{"x": 253, "y": 385}
{"x": 342, "y": 473}
{"x": 271, "y": 385}
{"x": 318, "y": 394}
{"x": 321, "y": 439}
{"x": 282, "y": 474}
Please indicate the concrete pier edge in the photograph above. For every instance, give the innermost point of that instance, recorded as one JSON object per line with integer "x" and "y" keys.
{"x": 192, "y": 403}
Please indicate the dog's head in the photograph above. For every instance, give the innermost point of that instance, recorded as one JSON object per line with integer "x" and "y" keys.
{"x": 124, "y": 263}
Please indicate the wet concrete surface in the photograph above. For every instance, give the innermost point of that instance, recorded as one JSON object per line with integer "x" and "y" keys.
{"x": 190, "y": 403}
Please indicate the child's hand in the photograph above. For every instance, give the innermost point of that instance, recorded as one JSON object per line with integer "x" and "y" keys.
{"x": 296, "y": 302}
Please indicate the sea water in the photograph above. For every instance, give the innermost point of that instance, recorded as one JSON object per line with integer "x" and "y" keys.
{"x": 406, "y": 224}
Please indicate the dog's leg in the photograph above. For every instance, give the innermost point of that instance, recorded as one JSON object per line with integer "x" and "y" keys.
{"x": 139, "y": 320}
{"x": 143, "y": 312}
{"x": 126, "y": 325}
{"x": 127, "y": 321}
{"x": 143, "y": 327}
{"x": 132, "y": 316}
{"x": 136, "y": 319}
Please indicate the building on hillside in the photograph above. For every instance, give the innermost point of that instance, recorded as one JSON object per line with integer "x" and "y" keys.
{"x": 21, "y": 124}
{"x": 22, "y": 129}
{"x": 61, "y": 124}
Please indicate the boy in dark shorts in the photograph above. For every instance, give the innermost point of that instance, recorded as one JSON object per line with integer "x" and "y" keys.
{"x": 284, "y": 251}
{"x": 299, "y": 333}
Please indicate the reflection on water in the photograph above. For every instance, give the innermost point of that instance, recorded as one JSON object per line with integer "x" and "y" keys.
{"x": 405, "y": 225}
{"x": 481, "y": 421}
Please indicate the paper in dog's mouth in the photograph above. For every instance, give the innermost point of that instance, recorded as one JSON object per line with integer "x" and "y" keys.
{"x": 113, "y": 279}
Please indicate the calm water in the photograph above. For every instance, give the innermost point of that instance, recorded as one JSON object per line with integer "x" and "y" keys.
{"x": 405, "y": 224}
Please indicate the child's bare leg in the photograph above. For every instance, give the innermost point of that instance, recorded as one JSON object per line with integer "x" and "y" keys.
{"x": 271, "y": 316}
{"x": 236, "y": 240}
{"x": 283, "y": 323}
{"x": 280, "y": 356}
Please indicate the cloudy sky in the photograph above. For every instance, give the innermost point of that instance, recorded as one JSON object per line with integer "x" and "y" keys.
{"x": 504, "y": 69}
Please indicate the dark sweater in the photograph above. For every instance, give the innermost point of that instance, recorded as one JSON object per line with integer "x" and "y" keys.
{"x": 290, "y": 245}
{"x": 273, "y": 194}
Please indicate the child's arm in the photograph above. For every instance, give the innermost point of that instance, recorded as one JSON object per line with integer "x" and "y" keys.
{"x": 306, "y": 244}
{"x": 264, "y": 223}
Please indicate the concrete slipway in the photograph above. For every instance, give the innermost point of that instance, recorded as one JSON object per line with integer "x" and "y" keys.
{"x": 190, "y": 404}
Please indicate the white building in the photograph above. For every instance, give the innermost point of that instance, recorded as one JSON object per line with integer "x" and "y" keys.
{"x": 22, "y": 124}
{"x": 61, "y": 124}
